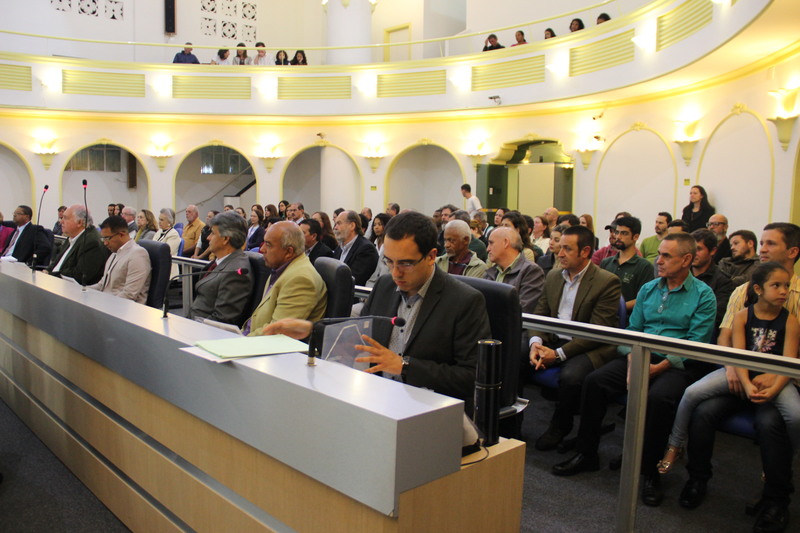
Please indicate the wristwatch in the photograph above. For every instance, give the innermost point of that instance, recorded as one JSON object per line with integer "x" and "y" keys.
{"x": 406, "y": 361}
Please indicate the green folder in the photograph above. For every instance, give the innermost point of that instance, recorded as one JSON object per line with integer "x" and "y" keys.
{"x": 236, "y": 347}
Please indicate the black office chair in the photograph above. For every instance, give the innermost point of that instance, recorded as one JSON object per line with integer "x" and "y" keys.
{"x": 161, "y": 265}
{"x": 339, "y": 281}
{"x": 505, "y": 320}
{"x": 44, "y": 260}
{"x": 260, "y": 274}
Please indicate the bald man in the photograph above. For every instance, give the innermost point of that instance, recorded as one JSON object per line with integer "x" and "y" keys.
{"x": 191, "y": 231}
{"x": 512, "y": 268}
{"x": 718, "y": 224}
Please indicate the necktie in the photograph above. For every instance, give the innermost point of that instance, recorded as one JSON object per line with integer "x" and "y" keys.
{"x": 210, "y": 269}
{"x": 10, "y": 247}
{"x": 111, "y": 265}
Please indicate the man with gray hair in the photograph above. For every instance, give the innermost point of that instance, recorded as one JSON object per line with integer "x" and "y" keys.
{"x": 219, "y": 296}
{"x": 511, "y": 267}
{"x": 475, "y": 244}
{"x": 129, "y": 214}
{"x": 354, "y": 250}
{"x": 191, "y": 232}
{"x": 84, "y": 256}
{"x": 294, "y": 289}
{"x": 459, "y": 259}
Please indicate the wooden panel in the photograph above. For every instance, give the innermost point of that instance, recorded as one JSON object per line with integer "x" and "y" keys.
{"x": 603, "y": 54}
{"x": 508, "y": 73}
{"x": 315, "y": 88}
{"x": 412, "y": 84}
{"x": 212, "y": 87}
{"x": 682, "y": 22}
{"x": 16, "y": 77}
{"x": 102, "y": 83}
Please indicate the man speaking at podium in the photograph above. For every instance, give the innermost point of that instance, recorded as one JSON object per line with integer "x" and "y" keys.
{"x": 437, "y": 346}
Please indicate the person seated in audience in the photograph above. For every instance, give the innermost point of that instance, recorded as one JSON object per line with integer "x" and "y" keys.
{"x": 283, "y": 205}
{"x": 26, "y": 240}
{"x": 299, "y": 58}
{"x": 632, "y": 269}
{"x": 392, "y": 209}
{"x": 127, "y": 271}
{"x": 549, "y": 33}
{"x": 129, "y": 214}
{"x": 649, "y": 246}
{"x": 367, "y": 213}
{"x": 7, "y": 231}
{"x": 705, "y": 269}
{"x": 146, "y": 225}
{"x": 111, "y": 209}
{"x": 587, "y": 220}
{"x": 118, "y": 209}
{"x": 378, "y": 230}
{"x": 603, "y": 17}
{"x": 270, "y": 211}
{"x": 698, "y": 211}
{"x": 312, "y": 234}
{"x": 677, "y": 226}
{"x": 497, "y": 220}
{"x": 184, "y": 56}
{"x": 510, "y": 266}
{"x": 475, "y": 244}
{"x": 255, "y": 232}
{"x": 743, "y": 257}
{"x": 219, "y": 295}
{"x": 328, "y": 237}
{"x": 491, "y": 43}
{"x": 569, "y": 219}
{"x": 520, "y": 38}
{"x": 191, "y": 231}
{"x": 608, "y": 250}
{"x": 550, "y": 259}
{"x": 458, "y": 258}
{"x": 261, "y": 55}
{"x": 436, "y": 348}
{"x": 718, "y": 225}
{"x": 167, "y": 234}
{"x": 85, "y": 256}
{"x": 202, "y": 251}
{"x": 295, "y": 212}
{"x": 281, "y": 58}
{"x": 482, "y": 226}
{"x": 674, "y": 305}
{"x": 241, "y": 55}
{"x": 354, "y": 250}
{"x": 576, "y": 25}
{"x": 513, "y": 219}
{"x": 241, "y": 212}
{"x": 294, "y": 289}
{"x": 223, "y": 57}
{"x": 56, "y": 226}
{"x": 581, "y": 292}
{"x": 552, "y": 217}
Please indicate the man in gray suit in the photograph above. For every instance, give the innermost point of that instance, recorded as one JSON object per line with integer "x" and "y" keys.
{"x": 127, "y": 273}
{"x": 219, "y": 296}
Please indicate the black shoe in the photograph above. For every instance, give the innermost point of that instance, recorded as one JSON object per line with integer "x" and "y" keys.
{"x": 578, "y": 463}
{"x": 550, "y": 439}
{"x": 693, "y": 493}
{"x": 652, "y": 494}
{"x": 773, "y": 518}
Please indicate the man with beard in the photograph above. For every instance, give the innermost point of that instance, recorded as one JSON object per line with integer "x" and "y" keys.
{"x": 632, "y": 269}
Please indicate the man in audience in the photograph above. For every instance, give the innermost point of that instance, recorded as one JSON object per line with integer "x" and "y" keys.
{"x": 447, "y": 215}
{"x": 743, "y": 257}
{"x": 677, "y": 226}
{"x": 57, "y": 226}
{"x": 392, "y": 209}
{"x": 780, "y": 242}
{"x": 294, "y": 289}
{"x": 491, "y": 43}
{"x": 185, "y": 56}
{"x": 191, "y": 231}
{"x": 295, "y": 213}
{"x": 312, "y": 233}
{"x": 632, "y": 270}
{"x": 473, "y": 203}
{"x": 552, "y": 217}
{"x": 366, "y": 212}
{"x": 649, "y": 247}
{"x": 705, "y": 269}
{"x": 27, "y": 240}
{"x": 475, "y": 244}
{"x": 718, "y": 224}
{"x": 129, "y": 214}
{"x": 220, "y": 293}
{"x": 674, "y": 305}
{"x": 608, "y": 250}
{"x": 511, "y": 267}
{"x": 437, "y": 220}
{"x": 354, "y": 250}
{"x": 84, "y": 257}
{"x": 127, "y": 271}
{"x": 582, "y": 292}
{"x": 111, "y": 209}
{"x": 459, "y": 259}
{"x": 483, "y": 226}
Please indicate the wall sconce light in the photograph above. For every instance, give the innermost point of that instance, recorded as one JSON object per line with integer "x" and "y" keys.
{"x": 373, "y": 156}
{"x": 586, "y": 157}
{"x": 686, "y": 133}
{"x": 687, "y": 150}
{"x": 784, "y": 125}
{"x": 267, "y": 151}
{"x": 45, "y": 140}
{"x": 786, "y": 117}
{"x": 159, "y": 150}
{"x": 478, "y": 153}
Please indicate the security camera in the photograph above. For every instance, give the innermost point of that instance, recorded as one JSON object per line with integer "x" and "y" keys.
{"x": 496, "y": 99}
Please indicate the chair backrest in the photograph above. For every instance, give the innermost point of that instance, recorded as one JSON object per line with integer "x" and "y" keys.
{"x": 180, "y": 247}
{"x": 339, "y": 280}
{"x": 161, "y": 265}
{"x": 623, "y": 313}
{"x": 260, "y": 274}
{"x": 179, "y": 228}
{"x": 48, "y": 233}
{"x": 505, "y": 320}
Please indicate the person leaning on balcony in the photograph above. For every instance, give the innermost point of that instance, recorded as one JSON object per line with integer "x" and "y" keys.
{"x": 491, "y": 43}
{"x": 186, "y": 56}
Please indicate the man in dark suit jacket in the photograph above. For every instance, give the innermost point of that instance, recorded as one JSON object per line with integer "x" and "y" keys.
{"x": 582, "y": 292}
{"x": 312, "y": 232}
{"x": 354, "y": 250}
{"x": 84, "y": 258}
{"x": 27, "y": 238}
{"x": 223, "y": 297}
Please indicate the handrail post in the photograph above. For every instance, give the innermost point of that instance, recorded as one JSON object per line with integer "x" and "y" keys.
{"x": 634, "y": 438}
{"x": 187, "y": 287}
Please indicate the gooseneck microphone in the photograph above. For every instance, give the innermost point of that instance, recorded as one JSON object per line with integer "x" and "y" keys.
{"x": 35, "y": 256}
{"x": 85, "y": 204}
{"x": 238, "y": 271}
{"x": 41, "y": 199}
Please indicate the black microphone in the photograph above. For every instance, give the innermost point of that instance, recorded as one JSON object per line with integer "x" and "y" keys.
{"x": 238, "y": 271}
{"x": 35, "y": 256}
{"x": 85, "y": 205}
{"x": 39, "y": 213}
{"x": 317, "y": 330}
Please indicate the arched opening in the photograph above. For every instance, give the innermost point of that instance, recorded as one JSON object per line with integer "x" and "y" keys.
{"x": 114, "y": 175}
{"x": 18, "y": 186}
{"x": 323, "y": 177}
{"x": 424, "y": 178}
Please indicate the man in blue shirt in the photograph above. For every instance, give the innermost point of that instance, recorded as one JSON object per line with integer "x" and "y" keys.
{"x": 675, "y": 305}
{"x": 186, "y": 56}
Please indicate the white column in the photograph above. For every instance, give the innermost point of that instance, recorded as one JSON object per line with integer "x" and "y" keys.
{"x": 349, "y": 23}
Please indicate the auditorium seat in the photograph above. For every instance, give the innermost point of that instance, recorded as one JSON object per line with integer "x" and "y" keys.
{"x": 339, "y": 281}
{"x": 260, "y": 274}
{"x": 161, "y": 264}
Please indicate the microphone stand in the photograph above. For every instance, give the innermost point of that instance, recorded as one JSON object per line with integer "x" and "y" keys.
{"x": 85, "y": 223}
{"x": 35, "y": 256}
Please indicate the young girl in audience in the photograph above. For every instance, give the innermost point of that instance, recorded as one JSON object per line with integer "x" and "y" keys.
{"x": 763, "y": 326}
{"x": 299, "y": 58}
{"x": 548, "y": 260}
{"x": 241, "y": 56}
{"x": 281, "y": 58}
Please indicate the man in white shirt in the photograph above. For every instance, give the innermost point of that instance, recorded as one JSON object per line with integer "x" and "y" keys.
{"x": 473, "y": 203}
{"x": 127, "y": 272}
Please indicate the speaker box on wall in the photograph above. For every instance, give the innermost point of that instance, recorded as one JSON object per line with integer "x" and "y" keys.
{"x": 169, "y": 16}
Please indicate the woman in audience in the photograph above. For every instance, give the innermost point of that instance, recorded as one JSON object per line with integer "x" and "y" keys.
{"x": 281, "y": 58}
{"x": 697, "y": 213}
{"x": 241, "y": 212}
{"x": 282, "y": 205}
{"x": 261, "y": 55}
{"x": 587, "y": 220}
{"x": 241, "y": 56}
{"x": 381, "y": 219}
{"x": 166, "y": 233}
{"x": 550, "y": 259}
{"x": 299, "y": 58}
{"x": 520, "y": 37}
{"x": 255, "y": 233}
{"x": 202, "y": 251}
{"x": 146, "y": 224}
{"x": 223, "y": 57}
{"x": 549, "y": 33}
{"x": 513, "y": 219}
{"x": 541, "y": 232}
{"x": 270, "y": 211}
{"x": 327, "y": 229}
{"x": 118, "y": 209}
{"x": 576, "y": 25}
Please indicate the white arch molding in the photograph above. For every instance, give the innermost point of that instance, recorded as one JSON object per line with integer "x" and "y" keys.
{"x": 424, "y": 176}
{"x": 18, "y": 181}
